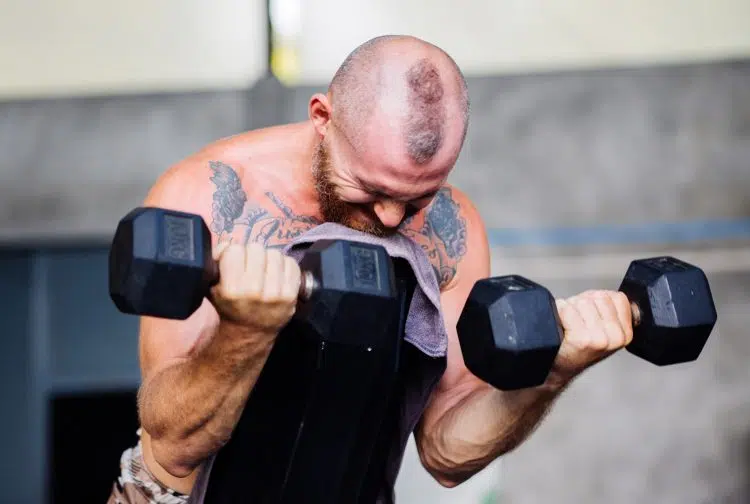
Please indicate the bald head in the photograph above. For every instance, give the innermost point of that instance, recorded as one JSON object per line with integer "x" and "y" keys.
{"x": 403, "y": 82}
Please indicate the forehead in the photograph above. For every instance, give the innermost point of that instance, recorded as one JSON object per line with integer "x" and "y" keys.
{"x": 380, "y": 157}
{"x": 388, "y": 169}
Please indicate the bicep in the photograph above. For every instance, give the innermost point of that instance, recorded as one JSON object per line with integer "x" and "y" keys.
{"x": 457, "y": 381}
{"x": 473, "y": 266}
{"x": 162, "y": 342}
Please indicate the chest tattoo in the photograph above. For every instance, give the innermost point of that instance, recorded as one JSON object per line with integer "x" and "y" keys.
{"x": 442, "y": 234}
{"x": 440, "y": 230}
{"x": 235, "y": 217}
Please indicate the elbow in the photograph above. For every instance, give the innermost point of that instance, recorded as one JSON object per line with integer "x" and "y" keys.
{"x": 173, "y": 460}
{"x": 448, "y": 474}
{"x": 447, "y": 481}
{"x": 168, "y": 448}
{"x": 448, "y": 468}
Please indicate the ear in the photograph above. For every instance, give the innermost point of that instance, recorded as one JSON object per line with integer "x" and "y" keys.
{"x": 320, "y": 111}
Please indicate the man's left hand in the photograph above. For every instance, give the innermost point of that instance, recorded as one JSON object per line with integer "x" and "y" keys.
{"x": 596, "y": 323}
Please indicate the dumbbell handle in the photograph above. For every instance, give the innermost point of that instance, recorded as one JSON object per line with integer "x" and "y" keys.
{"x": 635, "y": 311}
{"x": 307, "y": 285}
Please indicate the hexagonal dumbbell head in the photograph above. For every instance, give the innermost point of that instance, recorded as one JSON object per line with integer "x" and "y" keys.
{"x": 510, "y": 332}
{"x": 674, "y": 311}
{"x": 160, "y": 263}
{"x": 354, "y": 292}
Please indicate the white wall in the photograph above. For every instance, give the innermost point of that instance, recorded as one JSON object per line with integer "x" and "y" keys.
{"x": 77, "y": 47}
{"x": 490, "y": 37}
{"x": 84, "y": 47}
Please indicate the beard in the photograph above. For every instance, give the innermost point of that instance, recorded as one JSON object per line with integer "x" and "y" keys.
{"x": 333, "y": 209}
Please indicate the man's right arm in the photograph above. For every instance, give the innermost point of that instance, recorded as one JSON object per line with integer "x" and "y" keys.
{"x": 198, "y": 373}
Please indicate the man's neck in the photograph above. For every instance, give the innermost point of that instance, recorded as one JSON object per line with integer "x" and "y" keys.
{"x": 301, "y": 143}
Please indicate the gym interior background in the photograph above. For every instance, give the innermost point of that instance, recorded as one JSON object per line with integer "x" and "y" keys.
{"x": 602, "y": 131}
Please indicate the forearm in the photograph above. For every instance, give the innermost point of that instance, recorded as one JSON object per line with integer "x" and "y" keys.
{"x": 190, "y": 408}
{"x": 457, "y": 441}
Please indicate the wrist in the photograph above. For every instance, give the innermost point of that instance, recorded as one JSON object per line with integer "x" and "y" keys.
{"x": 236, "y": 345}
{"x": 557, "y": 380}
{"x": 243, "y": 333}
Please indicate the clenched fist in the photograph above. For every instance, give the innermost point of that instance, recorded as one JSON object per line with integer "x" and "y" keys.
{"x": 258, "y": 287}
{"x": 596, "y": 324}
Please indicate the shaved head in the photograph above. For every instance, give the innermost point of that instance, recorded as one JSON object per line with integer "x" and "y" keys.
{"x": 415, "y": 80}
{"x": 389, "y": 131}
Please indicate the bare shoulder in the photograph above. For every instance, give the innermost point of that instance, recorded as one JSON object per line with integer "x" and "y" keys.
{"x": 254, "y": 208}
{"x": 237, "y": 186}
{"x": 448, "y": 230}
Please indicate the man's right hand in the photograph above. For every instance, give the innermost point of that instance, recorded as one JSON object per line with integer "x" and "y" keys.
{"x": 257, "y": 287}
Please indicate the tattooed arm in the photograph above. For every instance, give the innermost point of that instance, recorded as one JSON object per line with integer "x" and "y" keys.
{"x": 467, "y": 424}
{"x": 197, "y": 373}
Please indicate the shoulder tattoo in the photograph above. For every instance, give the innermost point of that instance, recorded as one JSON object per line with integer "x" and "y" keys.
{"x": 232, "y": 210}
{"x": 442, "y": 235}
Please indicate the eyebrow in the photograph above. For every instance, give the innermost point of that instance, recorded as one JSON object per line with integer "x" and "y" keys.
{"x": 381, "y": 192}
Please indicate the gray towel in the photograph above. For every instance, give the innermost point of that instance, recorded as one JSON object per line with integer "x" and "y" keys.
{"x": 425, "y": 331}
{"x": 424, "y": 322}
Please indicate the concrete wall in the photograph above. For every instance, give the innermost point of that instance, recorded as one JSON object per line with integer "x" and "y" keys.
{"x": 70, "y": 168}
{"x": 596, "y": 148}
{"x": 582, "y": 148}
{"x": 606, "y": 146}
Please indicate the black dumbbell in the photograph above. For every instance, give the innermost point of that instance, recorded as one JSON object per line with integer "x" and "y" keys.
{"x": 510, "y": 330}
{"x": 160, "y": 265}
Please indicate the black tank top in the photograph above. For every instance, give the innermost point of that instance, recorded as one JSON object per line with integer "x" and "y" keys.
{"x": 327, "y": 424}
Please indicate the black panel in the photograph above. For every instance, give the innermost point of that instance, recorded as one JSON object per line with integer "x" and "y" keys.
{"x": 89, "y": 432}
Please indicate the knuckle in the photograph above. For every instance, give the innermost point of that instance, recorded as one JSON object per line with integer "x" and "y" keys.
{"x": 569, "y": 303}
{"x": 620, "y": 299}
{"x": 627, "y": 334}
{"x": 585, "y": 303}
{"x": 235, "y": 248}
{"x": 582, "y": 341}
{"x": 599, "y": 342}
{"x": 230, "y": 253}
{"x": 226, "y": 291}
{"x": 231, "y": 292}
{"x": 254, "y": 250}
{"x": 606, "y": 306}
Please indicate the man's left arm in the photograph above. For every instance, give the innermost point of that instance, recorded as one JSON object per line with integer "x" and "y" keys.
{"x": 468, "y": 423}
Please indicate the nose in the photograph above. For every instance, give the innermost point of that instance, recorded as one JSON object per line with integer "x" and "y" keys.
{"x": 390, "y": 213}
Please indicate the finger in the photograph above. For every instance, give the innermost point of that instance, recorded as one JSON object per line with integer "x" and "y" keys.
{"x": 273, "y": 275}
{"x": 596, "y": 334}
{"x": 613, "y": 330}
{"x": 232, "y": 260}
{"x": 588, "y": 311}
{"x": 292, "y": 279}
{"x": 219, "y": 249}
{"x": 605, "y": 306}
{"x": 570, "y": 319}
{"x": 624, "y": 313}
{"x": 254, "y": 270}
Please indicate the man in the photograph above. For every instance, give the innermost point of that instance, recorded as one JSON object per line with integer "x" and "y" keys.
{"x": 374, "y": 155}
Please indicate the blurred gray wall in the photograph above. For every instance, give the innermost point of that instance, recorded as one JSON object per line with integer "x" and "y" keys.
{"x": 608, "y": 147}
{"x": 594, "y": 147}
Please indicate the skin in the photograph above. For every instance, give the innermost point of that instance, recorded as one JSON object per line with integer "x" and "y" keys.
{"x": 258, "y": 190}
